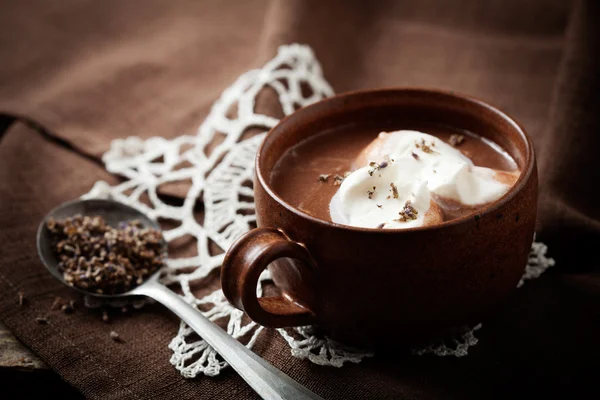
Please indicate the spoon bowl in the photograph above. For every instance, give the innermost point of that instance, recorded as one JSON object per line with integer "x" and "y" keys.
{"x": 264, "y": 378}
{"x": 113, "y": 213}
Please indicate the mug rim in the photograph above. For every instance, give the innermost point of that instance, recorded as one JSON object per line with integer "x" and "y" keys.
{"x": 488, "y": 209}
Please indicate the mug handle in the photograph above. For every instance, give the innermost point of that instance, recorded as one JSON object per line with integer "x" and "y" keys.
{"x": 246, "y": 260}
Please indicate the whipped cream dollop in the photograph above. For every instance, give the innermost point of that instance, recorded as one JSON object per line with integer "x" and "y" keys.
{"x": 405, "y": 176}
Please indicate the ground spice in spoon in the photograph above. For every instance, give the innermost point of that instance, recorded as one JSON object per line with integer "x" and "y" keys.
{"x": 96, "y": 257}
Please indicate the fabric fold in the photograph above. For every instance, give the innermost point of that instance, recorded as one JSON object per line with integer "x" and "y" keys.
{"x": 91, "y": 72}
{"x": 569, "y": 212}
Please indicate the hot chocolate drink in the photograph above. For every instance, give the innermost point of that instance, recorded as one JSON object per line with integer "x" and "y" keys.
{"x": 469, "y": 223}
{"x": 361, "y": 176}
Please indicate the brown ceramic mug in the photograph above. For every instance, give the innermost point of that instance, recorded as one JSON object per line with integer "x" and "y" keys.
{"x": 383, "y": 287}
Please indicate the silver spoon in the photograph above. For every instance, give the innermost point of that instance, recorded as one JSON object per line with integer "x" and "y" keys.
{"x": 265, "y": 379}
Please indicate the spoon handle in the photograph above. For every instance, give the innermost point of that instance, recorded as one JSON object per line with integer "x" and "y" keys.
{"x": 269, "y": 382}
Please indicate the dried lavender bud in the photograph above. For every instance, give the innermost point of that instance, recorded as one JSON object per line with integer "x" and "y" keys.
{"x": 415, "y": 155}
{"x": 456, "y": 140}
{"x": 51, "y": 223}
{"x": 408, "y": 212}
{"x": 67, "y": 308}
{"x": 379, "y": 205}
{"x": 381, "y": 225}
{"x": 99, "y": 258}
{"x": 337, "y": 180}
{"x": 425, "y": 147}
{"x": 115, "y": 336}
{"x": 323, "y": 177}
{"x": 41, "y": 320}
{"x": 394, "y": 190}
{"x": 56, "y": 304}
{"x": 371, "y": 192}
{"x": 376, "y": 167}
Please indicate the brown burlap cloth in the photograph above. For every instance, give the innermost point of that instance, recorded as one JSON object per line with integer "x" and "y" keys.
{"x": 92, "y": 71}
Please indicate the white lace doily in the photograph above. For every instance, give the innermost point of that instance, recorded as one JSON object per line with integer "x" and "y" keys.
{"x": 220, "y": 179}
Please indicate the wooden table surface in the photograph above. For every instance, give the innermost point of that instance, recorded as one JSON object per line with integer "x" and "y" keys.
{"x": 14, "y": 355}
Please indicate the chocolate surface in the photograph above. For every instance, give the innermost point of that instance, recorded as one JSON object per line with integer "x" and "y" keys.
{"x": 296, "y": 176}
